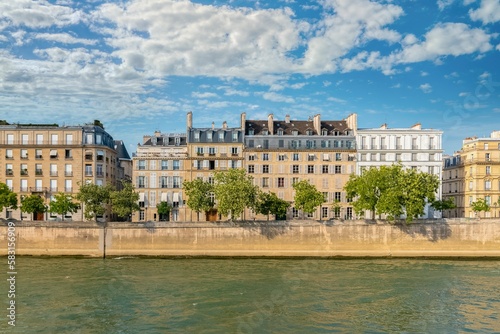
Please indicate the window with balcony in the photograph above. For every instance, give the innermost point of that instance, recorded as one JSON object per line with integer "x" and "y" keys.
{"x": 234, "y": 151}
{"x": 68, "y": 154}
{"x": 68, "y": 170}
{"x": 88, "y": 170}
{"x": 100, "y": 155}
{"x": 53, "y": 154}
{"x": 53, "y": 170}
{"x": 98, "y": 170}
{"x": 38, "y": 154}
{"x": 24, "y": 169}
{"x": 211, "y": 151}
{"x": 9, "y": 154}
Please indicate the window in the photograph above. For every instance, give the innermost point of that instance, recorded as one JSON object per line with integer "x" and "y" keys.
{"x": 265, "y": 156}
{"x": 337, "y": 196}
{"x": 487, "y": 185}
{"x": 53, "y": 170}
{"x": 38, "y": 154}
{"x": 281, "y": 157}
{"x": 68, "y": 170}
{"x": 53, "y": 154}
{"x": 487, "y": 199}
{"x": 39, "y": 139}
{"x": 211, "y": 151}
{"x": 382, "y": 156}
{"x": 349, "y": 213}
{"x": 69, "y": 139}
{"x": 295, "y": 169}
{"x": 68, "y": 154}
{"x": 310, "y": 169}
{"x": 221, "y": 136}
{"x": 141, "y": 182}
{"x": 176, "y": 165}
{"x": 338, "y": 156}
{"x": 209, "y": 135}
{"x": 196, "y": 136}
{"x": 9, "y": 154}
{"x": 485, "y": 146}
{"x": 54, "y": 139}
{"x": 251, "y": 157}
{"x": 296, "y": 157}
{"x": 295, "y": 180}
{"x": 199, "y": 150}
{"x": 234, "y": 151}
{"x": 281, "y": 143}
{"x": 265, "y": 169}
{"x": 142, "y": 164}
{"x": 280, "y": 132}
{"x": 324, "y": 132}
{"x": 295, "y": 213}
{"x": 311, "y": 157}
{"x": 324, "y": 169}
{"x": 488, "y": 170}
{"x": 338, "y": 169}
{"x": 88, "y": 170}
{"x": 265, "y": 132}
{"x": 24, "y": 139}
{"x": 251, "y": 169}
{"x": 310, "y": 144}
{"x": 471, "y": 185}
{"x": 325, "y": 196}
{"x": 235, "y": 136}
{"x": 24, "y": 169}
{"x": 176, "y": 182}
{"x": 250, "y": 132}
{"x": 100, "y": 155}
{"x": 487, "y": 157}
{"x": 295, "y": 132}
{"x": 309, "y": 132}
{"x": 38, "y": 169}
{"x": 53, "y": 185}
{"x": 68, "y": 186}
{"x": 281, "y": 182}
{"x": 325, "y": 144}
{"x": 265, "y": 182}
{"x": 98, "y": 170}
{"x": 24, "y": 154}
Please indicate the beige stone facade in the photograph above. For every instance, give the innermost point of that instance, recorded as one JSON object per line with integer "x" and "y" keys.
{"x": 49, "y": 159}
{"x": 473, "y": 173}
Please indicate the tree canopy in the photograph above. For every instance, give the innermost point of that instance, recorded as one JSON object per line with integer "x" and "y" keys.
{"x": 125, "y": 201}
{"x": 307, "y": 197}
{"x": 95, "y": 198}
{"x": 234, "y": 191}
{"x": 198, "y": 193}
{"x": 480, "y": 205}
{"x": 270, "y": 203}
{"x": 33, "y": 203}
{"x": 63, "y": 204}
{"x": 393, "y": 191}
{"x": 8, "y": 199}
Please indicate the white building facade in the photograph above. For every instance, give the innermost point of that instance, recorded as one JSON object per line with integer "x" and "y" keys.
{"x": 413, "y": 147}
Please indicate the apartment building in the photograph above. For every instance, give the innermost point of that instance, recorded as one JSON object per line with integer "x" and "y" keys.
{"x": 279, "y": 153}
{"x": 473, "y": 173}
{"x": 160, "y": 165}
{"x": 46, "y": 159}
{"x": 413, "y": 147}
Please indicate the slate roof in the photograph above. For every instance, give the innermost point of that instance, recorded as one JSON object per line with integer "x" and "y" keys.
{"x": 301, "y": 126}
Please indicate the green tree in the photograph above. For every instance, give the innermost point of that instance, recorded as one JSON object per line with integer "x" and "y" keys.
{"x": 163, "y": 210}
{"x": 307, "y": 197}
{"x": 441, "y": 205}
{"x": 480, "y": 205}
{"x": 199, "y": 195}
{"x": 392, "y": 190}
{"x": 234, "y": 191}
{"x": 125, "y": 201}
{"x": 95, "y": 199}
{"x": 33, "y": 203}
{"x": 8, "y": 199}
{"x": 62, "y": 204}
{"x": 336, "y": 208}
{"x": 269, "y": 203}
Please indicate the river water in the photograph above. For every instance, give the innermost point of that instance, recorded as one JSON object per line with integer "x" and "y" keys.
{"x": 143, "y": 295}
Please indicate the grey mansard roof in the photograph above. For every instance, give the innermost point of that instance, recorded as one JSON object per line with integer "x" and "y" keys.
{"x": 302, "y": 127}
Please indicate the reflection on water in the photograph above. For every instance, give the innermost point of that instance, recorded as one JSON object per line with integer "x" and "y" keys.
{"x": 131, "y": 295}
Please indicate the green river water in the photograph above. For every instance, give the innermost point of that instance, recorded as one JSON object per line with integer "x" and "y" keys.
{"x": 144, "y": 295}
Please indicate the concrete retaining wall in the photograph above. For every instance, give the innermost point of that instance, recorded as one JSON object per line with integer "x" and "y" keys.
{"x": 355, "y": 238}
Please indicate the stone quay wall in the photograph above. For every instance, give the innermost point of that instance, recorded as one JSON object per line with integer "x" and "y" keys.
{"x": 426, "y": 238}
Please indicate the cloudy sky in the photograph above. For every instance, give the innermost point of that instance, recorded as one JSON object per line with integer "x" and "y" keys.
{"x": 140, "y": 65}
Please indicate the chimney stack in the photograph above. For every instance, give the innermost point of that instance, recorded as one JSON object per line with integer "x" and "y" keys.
{"x": 317, "y": 123}
{"x": 287, "y": 119}
{"x": 270, "y": 124}
{"x": 224, "y": 125}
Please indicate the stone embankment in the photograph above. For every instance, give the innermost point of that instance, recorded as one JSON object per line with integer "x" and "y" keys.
{"x": 435, "y": 238}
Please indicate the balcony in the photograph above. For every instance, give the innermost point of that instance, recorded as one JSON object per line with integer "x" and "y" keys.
{"x": 53, "y": 189}
{"x": 24, "y": 172}
{"x": 53, "y": 173}
{"x": 9, "y": 172}
{"x": 38, "y": 189}
{"x": 87, "y": 173}
{"x": 68, "y": 189}
{"x": 99, "y": 174}
{"x": 68, "y": 173}
{"x": 38, "y": 172}
{"x": 39, "y": 157}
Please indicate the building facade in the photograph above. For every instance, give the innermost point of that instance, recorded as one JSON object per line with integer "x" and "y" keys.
{"x": 413, "y": 147}
{"x": 47, "y": 159}
{"x": 159, "y": 168}
{"x": 473, "y": 173}
{"x": 281, "y": 153}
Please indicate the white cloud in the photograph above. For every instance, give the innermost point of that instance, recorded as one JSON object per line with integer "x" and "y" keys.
{"x": 335, "y": 99}
{"x": 271, "y": 96}
{"x": 204, "y": 95}
{"x": 442, "y": 4}
{"x": 488, "y": 12}
{"x": 423, "y": 73}
{"x": 468, "y": 2}
{"x": 64, "y": 38}
{"x": 352, "y": 23}
{"x": 426, "y": 88}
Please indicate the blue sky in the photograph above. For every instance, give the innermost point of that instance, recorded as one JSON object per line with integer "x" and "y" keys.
{"x": 140, "y": 66}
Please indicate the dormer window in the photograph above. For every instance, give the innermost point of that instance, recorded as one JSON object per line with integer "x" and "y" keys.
{"x": 295, "y": 132}
{"x": 280, "y": 132}
{"x": 324, "y": 132}
{"x": 221, "y": 136}
{"x": 265, "y": 132}
{"x": 309, "y": 132}
{"x": 250, "y": 132}
{"x": 235, "y": 136}
{"x": 209, "y": 135}
{"x": 196, "y": 136}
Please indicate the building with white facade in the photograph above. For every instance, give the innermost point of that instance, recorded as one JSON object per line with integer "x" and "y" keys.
{"x": 413, "y": 147}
